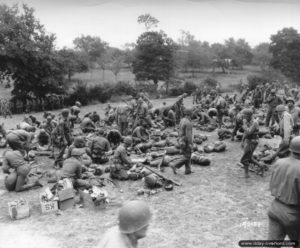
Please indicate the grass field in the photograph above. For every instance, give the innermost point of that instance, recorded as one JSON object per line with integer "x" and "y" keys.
{"x": 213, "y": 208}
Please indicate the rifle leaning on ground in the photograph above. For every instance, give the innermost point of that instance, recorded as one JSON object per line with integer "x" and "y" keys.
{"x": 156, "y": 172}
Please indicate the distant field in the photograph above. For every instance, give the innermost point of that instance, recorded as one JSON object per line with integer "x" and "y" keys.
{"x": 98, "y": 76}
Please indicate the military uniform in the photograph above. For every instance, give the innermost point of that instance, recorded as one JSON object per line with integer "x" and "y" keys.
{"x": 284, "y": 212}
{"x": 121, "y": 163}
{"x": 122, "y": 119}
{"x": 98, "y": 147}
{"x": 273, "y": 101}
{"x": 286, "y": 125}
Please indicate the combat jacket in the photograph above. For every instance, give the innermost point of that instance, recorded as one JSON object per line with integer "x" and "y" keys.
{"x": 120, "y": 156}
{"x": 285, "y": 183}
{"x": 286, "y": 125}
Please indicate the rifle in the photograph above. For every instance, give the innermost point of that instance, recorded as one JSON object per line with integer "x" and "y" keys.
{"x": 162, "y": 176}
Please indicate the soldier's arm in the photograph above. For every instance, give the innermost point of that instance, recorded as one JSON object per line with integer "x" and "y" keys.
{"x": 125, "y": 158}
{"x": 286, "y": 128}
{"x": 79, "y": 171}
{"x": 5, "y": 166}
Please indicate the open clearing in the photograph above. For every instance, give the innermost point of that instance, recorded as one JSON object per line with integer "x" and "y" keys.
{"x": 213, "y": 208}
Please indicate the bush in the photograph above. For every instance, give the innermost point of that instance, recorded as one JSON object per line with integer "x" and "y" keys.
{"x": 254, "y": 80}
{"x": 210, "y": 82}
{"x": 124, "y": 88}
{"x": 175, "y": 91}
{"x": 189, "y": 87}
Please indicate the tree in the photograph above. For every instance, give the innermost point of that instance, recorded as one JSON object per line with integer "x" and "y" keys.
{"x": 262, "y": 55}
{"x": 148, "y": 20}
{"x": 154, "y": 57}
{"x": 73, "y": 61}
{"x": 27, "y": 53}
{"x": 93, "y": 47}
{"x": 116, "y": 58}
{"x": 285, "y": 48}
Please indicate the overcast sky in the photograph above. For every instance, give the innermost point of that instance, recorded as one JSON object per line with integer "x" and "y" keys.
{"x": 115, "y": 21}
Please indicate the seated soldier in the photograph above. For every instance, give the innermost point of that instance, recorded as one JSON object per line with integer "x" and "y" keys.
{"x": 26, "y": 125}
{"x": 78, "y": 143}
{"x": 140, "y": 134}
{"x": 72, "y": 169}
{"x": 121, "y": 162}
{"x": 87, "y": 125}
{"x": 18, "y": 169}
{"x": 95, "y": 117}
{"x": 114, "y": 137}
{"x": 100, "y": 148}
{"x": 170, "y": 119}
{"x": 19, "y": 140}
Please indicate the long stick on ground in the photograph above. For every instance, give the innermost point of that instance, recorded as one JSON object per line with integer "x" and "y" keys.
{"x": 162, "y": 176}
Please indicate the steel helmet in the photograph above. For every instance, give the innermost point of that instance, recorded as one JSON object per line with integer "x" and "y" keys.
{"x": 128, "y": 140}
{"x": 280, "y": 108}
{"x": 151, "y": 180}
{"x": 273, "y": 91}
{"x": 188, "y": 111}
{"x": 247, "y": 112}
{"x": 78, "y": 104}
{"x": 65, "y": 112}
{"x": 295, "y": 145}
{"x": 133, "y": 216}
{"x": 290, "y": 99}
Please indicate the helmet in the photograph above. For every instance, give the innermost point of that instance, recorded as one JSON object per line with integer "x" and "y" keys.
{"x": 65, "y": 112}
{"x": 169, "y": 185}
{"x": 295, "y": 145}
{"x": 100, "y": 131}
{"x": 151, "y": 180}
{"x": 133, "y": 216}
{"x": 79, "y": 142}
{"x": 280, "y": 108}
{"x": 128, "y": 140}
{"x": 247, "y": 112}
{"x": 78, "y": 104}
{"x": 77, "y": 152}
{"x": 188, "y": 111}
{"x": 157, "y": 132}
{"x": 290, "y": 99}
{"x": 273, "y": 91}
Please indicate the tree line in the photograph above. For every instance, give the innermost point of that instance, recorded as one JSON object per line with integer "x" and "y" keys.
{"x": 28, "y": 54}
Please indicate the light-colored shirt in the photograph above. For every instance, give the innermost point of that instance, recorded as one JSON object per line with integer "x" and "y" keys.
{"x": 113, "y": 238}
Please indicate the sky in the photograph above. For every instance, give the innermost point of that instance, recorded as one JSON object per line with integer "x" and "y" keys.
{"x": 115, "y": 21}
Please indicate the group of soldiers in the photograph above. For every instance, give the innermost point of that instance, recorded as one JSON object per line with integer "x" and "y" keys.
{"x": 77, "y": 141}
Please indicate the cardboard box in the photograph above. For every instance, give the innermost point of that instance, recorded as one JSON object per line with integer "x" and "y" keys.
{"x": 18, "y": 209}
{"x": 48, "y": 202}
{"x": 66, "y": 198}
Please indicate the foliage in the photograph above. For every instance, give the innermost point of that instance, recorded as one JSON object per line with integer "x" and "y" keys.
{"x": 254, "y": 80}
{"x": 285, "y": 48}
{"x": 210, "y": 82}
{"x": 73, "y": 61}
{"x": 27, "y": 52}
{"x": 148, "y": 20}
{"x": 124, "y": 88}
{"x": 262, "y": 55}
{"x": 189, "y": 87}
{"x": 154, "y": 57}
{"x": 92, "y": 46}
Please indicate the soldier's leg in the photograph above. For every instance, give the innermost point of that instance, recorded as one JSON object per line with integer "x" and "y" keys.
{"x": 276, "y": 230}
{"x": 268, "y": 117}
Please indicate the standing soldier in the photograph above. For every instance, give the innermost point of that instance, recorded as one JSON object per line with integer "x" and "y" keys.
{"x": 62, "y": 136}
{"x": 257, "y": 97}
{"x": 273, "y": 101}
{"x": 221, "y": 108}
{"x": 286, "y": 125}
{"x": 122, "y": 114}
{"x": 142, "y": 114}
{"x": 6, "y": 108}
{"x": 295, "y": 113}
{"x": 284, "y": 212}
{"x": 185, "y": 142}
{"x": 250, "y": 140}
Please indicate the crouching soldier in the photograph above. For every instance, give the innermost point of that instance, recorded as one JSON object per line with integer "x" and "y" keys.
{"x": 72, "y": 169}
{"x": 121, "y": 162}
{"x": 18, "y": 169}
{"x": 87, "y": 125}
{"x": 185, "y": 143}
{"x": 100, "y": 148}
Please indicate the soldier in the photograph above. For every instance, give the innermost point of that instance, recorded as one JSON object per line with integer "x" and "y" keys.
{"x": 75, "y": 110}
{"x": 6, "y": 108}
{"x": 134, "y": 218}
{"x": 100, "y": 148}
{"x": 185, "y": 142}
{"x": 95, "y": 118}
{"x": 140, "y": 134}
{"x": 286, "y": 125}
{"x": 284, "y": 212}
{"x": 257, "y": 97}
{"x": 121, "y": 162}
{"x": 273, "y": 101}
{"x": 220, "y": 104}
{"x": 170, "y": 119}
{"x": 19, "y": 140}
{"x": 250, "y": 141}
{"x": 142, "y": 114}
{"x": 87, "y": 125}
{"x": 62, "y": 136}
{"x": 122, "y": 115}
{"x": 295, "y": 113}
{"x": 178, "y": 108}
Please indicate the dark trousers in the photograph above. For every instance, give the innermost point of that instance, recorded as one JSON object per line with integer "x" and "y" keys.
{"x": 249, "y": 148}
{"x": 182, "y": 160}
{"x": 271, "y": 116}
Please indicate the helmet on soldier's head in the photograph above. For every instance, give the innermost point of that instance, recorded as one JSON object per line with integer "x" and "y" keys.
{"x": 150, "y": 180}
{"x": 188, "y": 111}
{"x": 76, "y": 152}
{"x": 100, "y": 131}
{"x": 290, "y": 99}
{"x": 65, "y": 112}
{"x": 79, "y": 142}
{"x": 273, "y": 91}
{"x": 134, "y": 216}
{"x": 247, "y": 112}
{"x": 295, "y": 145}
{"x": 280, "y": 108}
{"x": 128, "y": 140}
{"x": 78, "y": 104}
